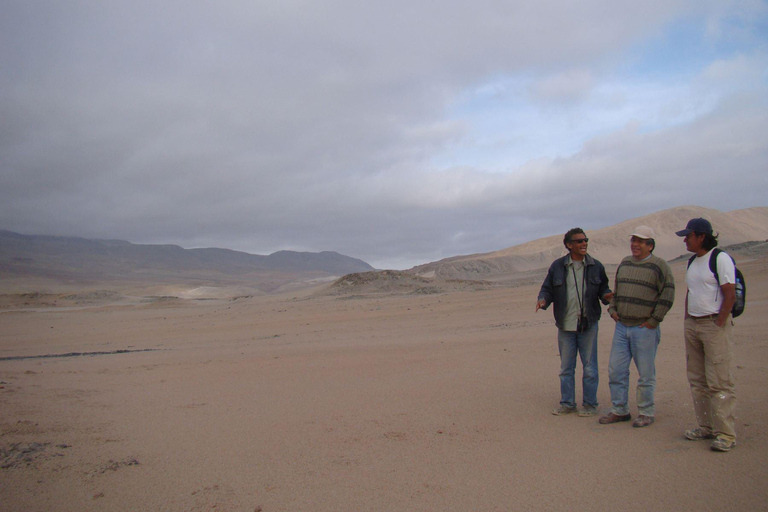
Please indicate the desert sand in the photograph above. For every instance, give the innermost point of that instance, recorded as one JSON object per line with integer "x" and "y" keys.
{"x": 311, "y": 401}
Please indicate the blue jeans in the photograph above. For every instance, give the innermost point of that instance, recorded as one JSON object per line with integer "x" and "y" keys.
{"x": 585, "y": 344}
{"x": 638, "y": 344}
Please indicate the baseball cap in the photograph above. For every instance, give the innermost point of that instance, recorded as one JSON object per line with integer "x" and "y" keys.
{"x": 644, "y": 232}
{"x": 698, "y": 225}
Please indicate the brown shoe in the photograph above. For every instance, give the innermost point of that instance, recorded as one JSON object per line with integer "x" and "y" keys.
{"x": 614, "y": 418}
{"x": 643, "y": 421}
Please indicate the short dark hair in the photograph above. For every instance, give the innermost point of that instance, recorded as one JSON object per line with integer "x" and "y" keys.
{"x": 709, "y": 242}
{"x": 569, "y": 235}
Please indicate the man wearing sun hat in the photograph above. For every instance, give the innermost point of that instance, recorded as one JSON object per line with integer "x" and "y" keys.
{"x": 644, "y": 293}
{"x": 708, "y": 339}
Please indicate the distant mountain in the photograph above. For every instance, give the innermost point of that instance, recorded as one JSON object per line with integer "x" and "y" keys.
{"x": 609, "y": 245}
{"x": 70, "y": 259}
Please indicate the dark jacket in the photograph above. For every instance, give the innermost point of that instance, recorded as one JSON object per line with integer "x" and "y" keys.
{"x": 554, "y": 289}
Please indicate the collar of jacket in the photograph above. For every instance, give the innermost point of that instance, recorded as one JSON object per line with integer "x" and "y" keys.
{"x": 588, "y": 260}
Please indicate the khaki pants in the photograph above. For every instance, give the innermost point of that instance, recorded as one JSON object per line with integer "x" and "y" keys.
{"x": 708, "y": 354}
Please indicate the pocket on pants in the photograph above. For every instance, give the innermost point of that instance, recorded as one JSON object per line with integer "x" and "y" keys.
{"x": 645, "y": 335}
{"x": 717, "y": 348}
{"x": 719, "y": 358}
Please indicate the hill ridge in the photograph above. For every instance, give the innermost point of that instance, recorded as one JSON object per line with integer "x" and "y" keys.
{"x": 81, "y": 260}
{"x": 609, "y": 244}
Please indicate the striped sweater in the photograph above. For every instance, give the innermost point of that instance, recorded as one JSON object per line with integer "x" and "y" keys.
{"x": 645, "y": 291}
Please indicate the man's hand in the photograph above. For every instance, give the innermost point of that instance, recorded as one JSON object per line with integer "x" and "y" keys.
{"x": 540, "y": 304}
{"x": 729, "y": 299}
{"x": 647, "y": 325}
{"x": 615, "y": 316}
{"x": 608, "y": 297}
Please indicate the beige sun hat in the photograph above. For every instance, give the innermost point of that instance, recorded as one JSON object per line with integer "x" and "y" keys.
{"x": 644, "y": 232}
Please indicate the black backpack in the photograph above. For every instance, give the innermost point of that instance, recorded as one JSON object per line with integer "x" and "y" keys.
{"x": 741, "y": 284}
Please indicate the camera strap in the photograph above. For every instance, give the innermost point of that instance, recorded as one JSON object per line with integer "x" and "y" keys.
{"x": 579, "y": 296}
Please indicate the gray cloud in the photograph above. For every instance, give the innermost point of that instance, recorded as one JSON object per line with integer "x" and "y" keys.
{"x": 262, "y": 126}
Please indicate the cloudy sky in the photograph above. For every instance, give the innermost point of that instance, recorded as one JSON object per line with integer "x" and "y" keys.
{"x": 399, "y": 132}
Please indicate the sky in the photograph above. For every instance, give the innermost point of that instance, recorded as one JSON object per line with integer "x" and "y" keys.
{"x": 398, "y": 132}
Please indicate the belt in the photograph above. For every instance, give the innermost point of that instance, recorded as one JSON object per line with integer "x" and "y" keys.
{"x": 715, "y": 315}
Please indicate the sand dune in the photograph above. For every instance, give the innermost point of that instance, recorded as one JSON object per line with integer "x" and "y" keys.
{"x": 609, "y": 244}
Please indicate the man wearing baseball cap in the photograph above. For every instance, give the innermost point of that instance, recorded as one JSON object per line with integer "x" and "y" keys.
{"x": 645, "y": 291}
{"x": 708, "y": 341}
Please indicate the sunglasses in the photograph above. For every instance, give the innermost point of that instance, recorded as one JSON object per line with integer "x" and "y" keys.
{"x": 579, "y": 240}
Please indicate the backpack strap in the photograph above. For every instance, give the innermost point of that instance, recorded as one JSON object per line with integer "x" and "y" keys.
{"x": 713, "y": 263}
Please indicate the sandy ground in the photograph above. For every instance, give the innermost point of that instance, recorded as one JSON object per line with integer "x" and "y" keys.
{"x": 323, "y": 403}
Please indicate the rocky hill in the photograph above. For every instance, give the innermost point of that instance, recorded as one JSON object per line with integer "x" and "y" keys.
{"x": 393, "y": 282}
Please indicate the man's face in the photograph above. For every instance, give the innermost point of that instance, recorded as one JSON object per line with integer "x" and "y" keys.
{"x": 639, "y": 247}
{"x": 578, "y": 245}
{"x": 693, "y": 242}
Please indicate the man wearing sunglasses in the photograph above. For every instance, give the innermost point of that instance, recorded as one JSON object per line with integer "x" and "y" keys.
{"x": 645, "y": 292}
{"x": 576, "y": 283}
